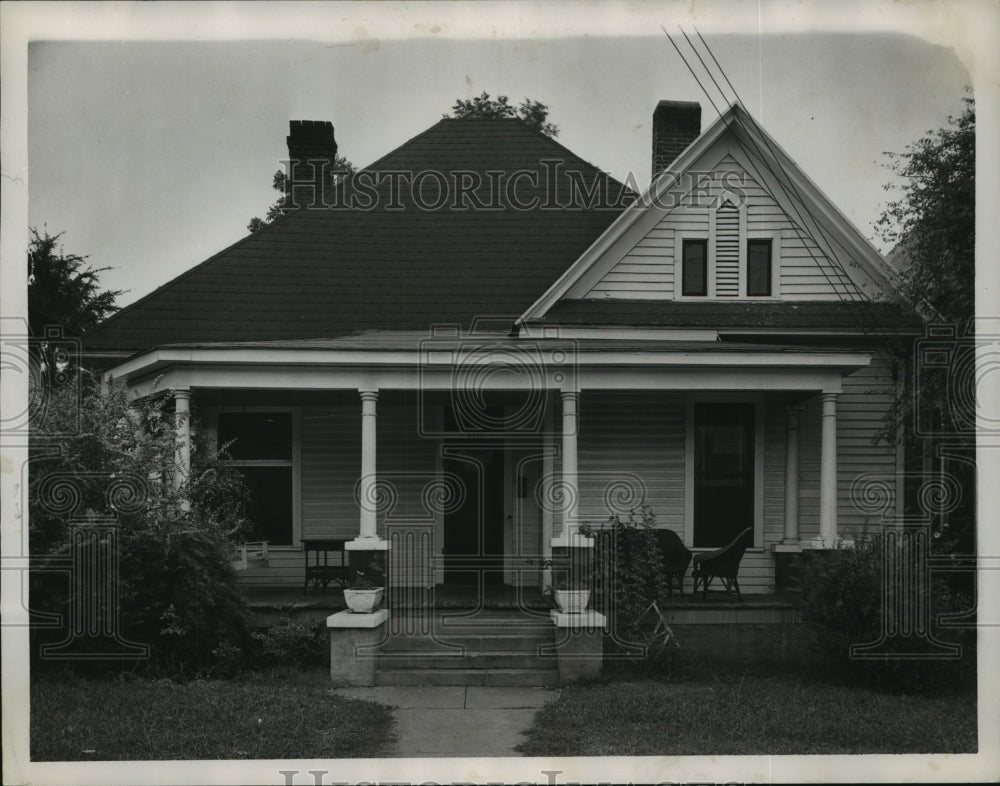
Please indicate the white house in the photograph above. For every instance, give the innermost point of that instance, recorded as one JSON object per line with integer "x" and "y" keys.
{"x": 480, "y": 341}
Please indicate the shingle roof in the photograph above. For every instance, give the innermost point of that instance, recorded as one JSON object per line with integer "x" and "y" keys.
{"x": 827, "y": 314}
{"x": 330, "y": 272}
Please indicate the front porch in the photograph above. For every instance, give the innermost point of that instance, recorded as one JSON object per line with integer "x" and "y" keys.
{"x": 269, "y": 603}
{"x": 467, "y": 464}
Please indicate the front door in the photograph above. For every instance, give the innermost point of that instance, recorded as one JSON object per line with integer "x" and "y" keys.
{"x": 474, "y": 530}
{"x": 724, "y": 472}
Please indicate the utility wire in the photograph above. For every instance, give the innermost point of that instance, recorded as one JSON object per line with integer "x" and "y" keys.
{"x": 844, "y": 281}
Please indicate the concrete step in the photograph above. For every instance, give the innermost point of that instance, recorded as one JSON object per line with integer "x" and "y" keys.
{"x": 474, "y": 660}
{"x": 544, "y": 678}
{"x": 469, "y": 644}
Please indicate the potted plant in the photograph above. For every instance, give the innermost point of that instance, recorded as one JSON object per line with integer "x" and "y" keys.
{"x": 572, "y": 597}
{"x": 361, "y": 597}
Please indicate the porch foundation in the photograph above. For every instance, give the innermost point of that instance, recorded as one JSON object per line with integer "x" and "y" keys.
{"x": 353, "y": 642}
{"x": 579, "y": 645}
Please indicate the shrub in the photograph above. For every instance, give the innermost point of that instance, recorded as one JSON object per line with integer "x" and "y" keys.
{"x": 99, "y": 454}
{"x": 842, "y": 592}
{"x": 292, "y": 642}
{"x": 627, "y": 569}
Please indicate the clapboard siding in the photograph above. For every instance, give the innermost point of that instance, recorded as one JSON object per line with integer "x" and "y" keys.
{"x": 774, "y": 471}
{"x": 285, "y": 567}
{"x": 406, "y": 464}
{"x": 331, "y": 467}
{"x": 631, "y": 440}
{"x": 631, "y": 448}
{"x": 864, "y": 398}
{"x": 646, "y": 271}
{"x": 861, "y": 406}
{"x": 806, "y": 274}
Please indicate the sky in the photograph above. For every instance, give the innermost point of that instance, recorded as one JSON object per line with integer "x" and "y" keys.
{"x": 150, "y": 156}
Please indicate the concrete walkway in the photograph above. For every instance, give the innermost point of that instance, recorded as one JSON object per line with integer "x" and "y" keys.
{"x": 456, "y": 720}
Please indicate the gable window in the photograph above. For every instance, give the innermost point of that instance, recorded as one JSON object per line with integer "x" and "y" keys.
{"x": 260, "y": 447}
{"x": 695, "y": 267}
{"x": 759, "y": 267}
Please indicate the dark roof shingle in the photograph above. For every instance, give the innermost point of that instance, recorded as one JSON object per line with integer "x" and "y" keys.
{"x": 398, "y": 265}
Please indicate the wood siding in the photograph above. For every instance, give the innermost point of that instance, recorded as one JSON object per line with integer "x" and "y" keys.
{"x": 631, "y": 447}
{"x": 860, "y": 406}
{"x": 646, "y": 271}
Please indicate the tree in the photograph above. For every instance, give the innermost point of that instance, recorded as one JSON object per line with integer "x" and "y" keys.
{"x": 933, "y": 222}
{"x": 341, "y": 167}
{"x": 533, "y": 113}
{"x": 63, "y": 290}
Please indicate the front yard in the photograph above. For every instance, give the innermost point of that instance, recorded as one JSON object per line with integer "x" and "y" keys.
{"x": 272, "y": 716}
{"x": 731, "y": 714}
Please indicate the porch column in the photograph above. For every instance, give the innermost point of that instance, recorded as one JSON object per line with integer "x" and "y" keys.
{"x": 548, "y": 464}
{"x": 182, "y": 439}
{"x": 792, "y": 475}
{"x": 828, "y": 471}
{"x": 368, "y": 536}
{"x": 570, "y": 400}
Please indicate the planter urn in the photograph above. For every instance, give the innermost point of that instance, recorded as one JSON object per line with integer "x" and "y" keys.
{"x": 363, "y": 601}
{"x": 572, "y": 601}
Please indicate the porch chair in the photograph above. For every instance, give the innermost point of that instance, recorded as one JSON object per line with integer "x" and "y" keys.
{"x": 320, "y": 569}
{"x": 676, "y": 558}
{"x": 723, "y": 563}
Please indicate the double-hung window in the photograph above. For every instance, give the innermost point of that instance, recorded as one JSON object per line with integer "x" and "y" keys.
{"x": 260, "y": 447}
{"x": 759, "y": 267}
{"x": 694, "y": 273}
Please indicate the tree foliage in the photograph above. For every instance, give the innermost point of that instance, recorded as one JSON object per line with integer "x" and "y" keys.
{"x": 63, "y": 290}
{"x": 933, "y": 221}
{"x": 341, "y": 167}
{"x": 533, "y": 113}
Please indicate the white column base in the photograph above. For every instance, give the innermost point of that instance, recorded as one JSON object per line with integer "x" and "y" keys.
{"x": 367, "y": 544}
{"x": 576, "y": 541}
{"x": 820, "y": 544}
{"x": 348, "y": 619}
{"x": 583, "y": 619}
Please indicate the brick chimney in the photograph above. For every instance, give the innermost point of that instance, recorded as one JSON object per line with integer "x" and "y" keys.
{"x": 676, "y": 124}
{"x": 310, "y": 140}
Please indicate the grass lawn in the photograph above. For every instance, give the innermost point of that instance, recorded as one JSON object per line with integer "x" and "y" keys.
{"x": 271, "y": 716}
{"x": 746, "y": 715}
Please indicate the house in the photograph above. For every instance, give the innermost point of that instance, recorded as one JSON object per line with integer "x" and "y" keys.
{"x": 459, "y": 354}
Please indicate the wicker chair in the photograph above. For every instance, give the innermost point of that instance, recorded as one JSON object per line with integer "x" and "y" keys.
{"x": 723, "y": 563}
{"x": 676, "y": 558}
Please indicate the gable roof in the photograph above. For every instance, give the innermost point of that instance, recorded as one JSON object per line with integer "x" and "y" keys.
{"x": 390, "y": 263}
{"x": 800, "y": 198}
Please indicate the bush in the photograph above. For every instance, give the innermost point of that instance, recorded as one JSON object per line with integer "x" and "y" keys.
{"x": 292, "y": 642}
{"x": 842, "y": 592}
{"x": 627, "y": 570}
{"x": 101, "y": 455}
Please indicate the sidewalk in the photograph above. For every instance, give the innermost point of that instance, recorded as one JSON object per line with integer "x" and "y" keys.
{"x": 456, "y": 720}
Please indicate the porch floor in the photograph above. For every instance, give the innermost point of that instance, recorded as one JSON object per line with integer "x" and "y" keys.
{"x": 268, "y": 603}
